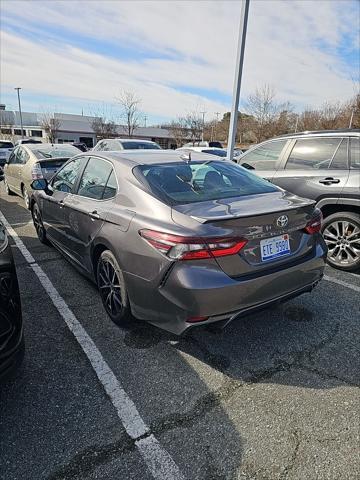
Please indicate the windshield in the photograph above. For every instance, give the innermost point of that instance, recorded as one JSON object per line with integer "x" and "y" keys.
{"x": 140, "y": 146}
{"x": 219, "y": 153}
{"x": 6, "y": 144}
{"x": 56, "y": 151}
{"x": 180, "y": 183}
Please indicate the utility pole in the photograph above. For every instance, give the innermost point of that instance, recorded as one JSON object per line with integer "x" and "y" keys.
{"x": 296, "y": 124}
{"x": 351, "y": 119}
{"x": 237, "y": 80}
{"x": 203, "y": 126}
{"x": 145, "y": 118}
{"x": 21, "y": 122}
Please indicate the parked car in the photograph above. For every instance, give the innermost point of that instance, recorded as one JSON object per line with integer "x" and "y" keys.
{"x": 81, "y": 146}
{"x": 214, "y": 144}
{"x": 6, "y": 148}
{"x": 116, "y": 144}
{"x": 220, "y": 152}
{"x": 31, "y": 161}
{"x": 176, "y": 242}
{"x": 323, "y": 166}
{"x": 11, "y": 330}
{"x": 25, "y": 141}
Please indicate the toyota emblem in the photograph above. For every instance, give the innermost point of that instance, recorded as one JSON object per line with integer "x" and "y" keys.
{"x": 282, "y": 221}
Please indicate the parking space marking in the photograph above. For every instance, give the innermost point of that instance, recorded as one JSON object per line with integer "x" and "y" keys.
{"x": 340, "y": 282}
{"x": 158, "y": 460}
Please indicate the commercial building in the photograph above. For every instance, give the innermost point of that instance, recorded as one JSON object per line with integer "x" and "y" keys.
{"x": 71, "y": 128}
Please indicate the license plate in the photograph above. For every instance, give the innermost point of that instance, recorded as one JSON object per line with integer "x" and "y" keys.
{"x": 275, "y": 247}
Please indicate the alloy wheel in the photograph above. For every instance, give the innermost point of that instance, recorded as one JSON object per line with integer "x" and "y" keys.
{"x": 343, "y": 241}
{"x": 39, "y": 227}
{"x": 109, "y": 286}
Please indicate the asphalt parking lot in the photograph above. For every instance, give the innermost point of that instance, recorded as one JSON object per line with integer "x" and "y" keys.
{"x": 273, "y": 396}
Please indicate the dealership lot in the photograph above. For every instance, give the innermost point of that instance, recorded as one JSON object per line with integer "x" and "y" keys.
{"x": 273, "y": 396}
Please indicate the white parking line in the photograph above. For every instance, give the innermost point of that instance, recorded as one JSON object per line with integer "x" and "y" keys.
{"x": 340, "y": 282}
{"x": 158, "y": 460}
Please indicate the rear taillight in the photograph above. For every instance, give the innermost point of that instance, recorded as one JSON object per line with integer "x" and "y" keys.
{"x": 178, "y": 247}
{"x": 36, "y": 171}
{"x": 314, "y": 225}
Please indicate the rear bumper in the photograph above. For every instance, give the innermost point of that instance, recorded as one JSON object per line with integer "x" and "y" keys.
{"x": 208, "y": 292}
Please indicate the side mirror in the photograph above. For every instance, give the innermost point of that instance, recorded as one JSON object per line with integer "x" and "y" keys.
{"x": 40, "y": 184}
{"x": 249, "y": 167}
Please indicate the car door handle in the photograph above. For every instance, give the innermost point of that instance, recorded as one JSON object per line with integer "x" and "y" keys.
{"x": 329, "y": 180}
{"x": 94, "y": 215}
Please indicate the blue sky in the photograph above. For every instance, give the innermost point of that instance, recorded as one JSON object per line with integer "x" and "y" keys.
{"x": 177, "y": 56}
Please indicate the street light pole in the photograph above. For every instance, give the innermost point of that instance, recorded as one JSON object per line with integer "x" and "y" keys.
{"x": 237, "y": 80}
{"x": 351, "y": 119}
{"x": 21, "y": 122}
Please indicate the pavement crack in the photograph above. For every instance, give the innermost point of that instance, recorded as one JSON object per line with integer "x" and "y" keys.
{"x": 287, "y": 470}
{"x": 87, "y": 460}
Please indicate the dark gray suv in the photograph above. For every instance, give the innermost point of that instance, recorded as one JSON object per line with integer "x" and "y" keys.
{"x": 323, "y": 166}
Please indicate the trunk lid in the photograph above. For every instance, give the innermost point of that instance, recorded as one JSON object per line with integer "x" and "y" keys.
{"x": 254, "y": 218}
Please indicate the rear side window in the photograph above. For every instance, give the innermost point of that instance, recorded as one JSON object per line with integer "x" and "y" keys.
{"x": 264, "y": 157}
{"x": 312, "y": 153}
{"x": 95, "y": 178}
{"x": 179, "y": 183}
{"x": 355, "y": 153}
{"x": 65, "y": 179}
{"x": 340, "y": 159}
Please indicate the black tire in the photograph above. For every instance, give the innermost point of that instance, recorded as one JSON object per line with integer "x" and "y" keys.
{"x": 7, "y": 189}
{"x": 38, "y": 224}
{"x": 341, "y": 233}
{"x": 112, "y": 288}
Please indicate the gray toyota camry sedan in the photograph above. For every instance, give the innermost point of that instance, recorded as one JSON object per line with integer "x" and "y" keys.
{"x": 179, "y": 239}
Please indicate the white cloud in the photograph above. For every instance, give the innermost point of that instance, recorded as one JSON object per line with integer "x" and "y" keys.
{"x": 293, "y": 45}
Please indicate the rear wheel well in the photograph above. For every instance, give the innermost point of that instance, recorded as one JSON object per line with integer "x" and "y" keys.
{"x": 98, "y": 250}
{"x": 338, "y": 208}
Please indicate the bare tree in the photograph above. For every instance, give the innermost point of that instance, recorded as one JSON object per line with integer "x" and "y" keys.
{"x": 103, "y": 128}
{"x": 51, "y": 125}
{"x": 130, "y": 111}
{"x": 268, "y": 115}
{"x": 179, "y": 131}
{"x": 194, "y": 125}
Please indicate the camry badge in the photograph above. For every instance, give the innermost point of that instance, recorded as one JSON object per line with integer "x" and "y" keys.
{"x": 282, "y": 221}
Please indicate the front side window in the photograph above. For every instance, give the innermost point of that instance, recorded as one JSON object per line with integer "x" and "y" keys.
{"x": 264, "y": 157}
{"x": 95, "y": 178}
{"x": 340, "y": 159}
{"x": 65, "y": 179}
{"x": 355, "y": 153}
{"x": 312, "y": 153}
{"x": 180, "y": 183}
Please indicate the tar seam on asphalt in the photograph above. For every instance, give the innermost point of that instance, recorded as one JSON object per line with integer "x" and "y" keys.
{"x": 159, "y": 462}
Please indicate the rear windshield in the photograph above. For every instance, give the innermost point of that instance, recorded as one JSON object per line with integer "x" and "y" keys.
{"x": 6, "y": 144}
{"x": 66, "y": 151}
{"x": 140, "y": 146}
{"x": 219, "y": 153}
{"x": 180, "y": 183}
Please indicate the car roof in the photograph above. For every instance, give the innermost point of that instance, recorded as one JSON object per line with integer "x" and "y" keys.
{"x": 149, "y": 157}
{"x": 37, "y": 146}
{"x": 339, "y": 132}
